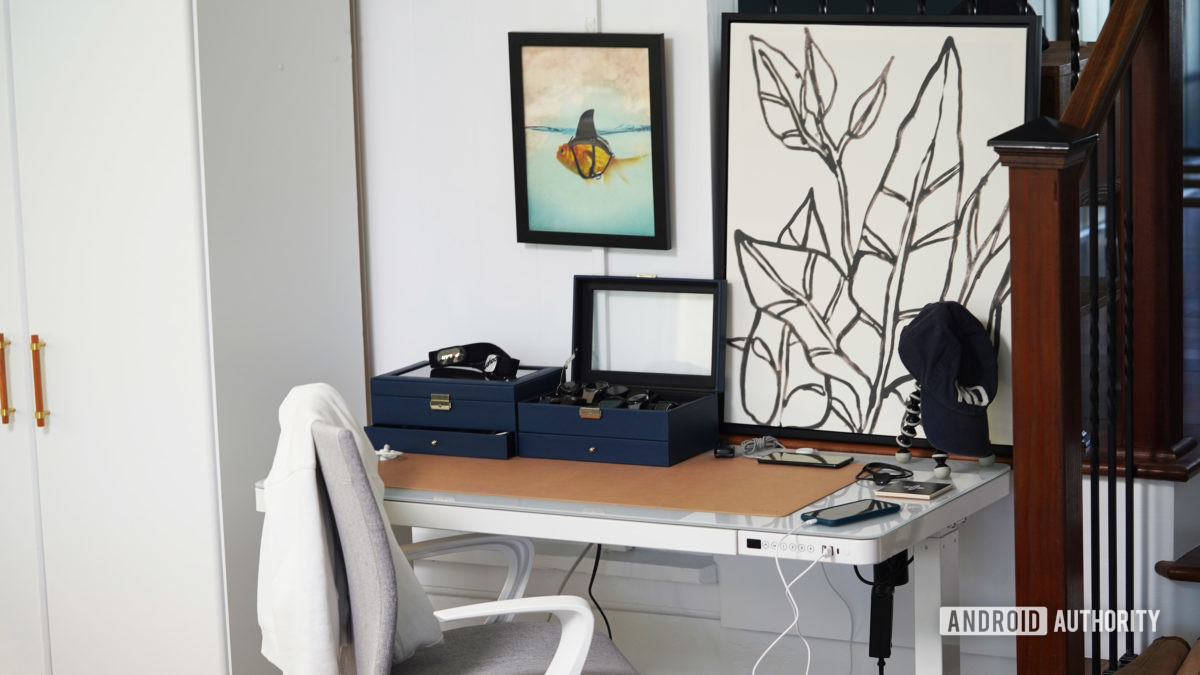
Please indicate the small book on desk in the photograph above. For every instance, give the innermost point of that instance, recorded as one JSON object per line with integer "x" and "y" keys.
{"x": 913, "y": 489}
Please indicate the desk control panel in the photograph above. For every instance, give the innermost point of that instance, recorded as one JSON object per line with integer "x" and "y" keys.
{"x": 809, "y": 547}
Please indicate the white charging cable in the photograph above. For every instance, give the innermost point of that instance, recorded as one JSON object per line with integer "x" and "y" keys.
{"x": 787, "y": 588}
{"x": 850, "y": 641}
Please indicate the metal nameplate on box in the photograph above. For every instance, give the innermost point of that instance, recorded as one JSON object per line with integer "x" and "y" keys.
{"x": 439, "y": 402}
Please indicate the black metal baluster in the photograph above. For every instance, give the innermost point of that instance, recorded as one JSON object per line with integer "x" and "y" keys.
{"x": 1074, "y": 43}
{"x": 1094, "y": 402}
{"x": 1112, "y": 270}
{"x": 1111, "y": 243}
{"x": 1127, "y": 276}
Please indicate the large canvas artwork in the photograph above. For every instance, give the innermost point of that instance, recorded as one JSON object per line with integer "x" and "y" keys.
{"x": 858, "y": 188}
{"x": 589, "y": 139}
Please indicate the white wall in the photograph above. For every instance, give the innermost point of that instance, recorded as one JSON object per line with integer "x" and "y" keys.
{"x": 444, "y": 263}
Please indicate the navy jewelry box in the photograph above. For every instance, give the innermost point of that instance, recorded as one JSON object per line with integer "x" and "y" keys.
{"x": 414, "y": 412}
{"x": 662, "y": 336}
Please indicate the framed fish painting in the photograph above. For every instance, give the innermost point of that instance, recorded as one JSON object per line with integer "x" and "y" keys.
{"x": 855, "y": 187}
{"x": 589, "y": 139}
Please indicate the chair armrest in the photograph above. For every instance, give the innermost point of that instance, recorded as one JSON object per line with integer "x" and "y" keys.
{"x": 518, "y": 552}
{"x": 572, "y": 612}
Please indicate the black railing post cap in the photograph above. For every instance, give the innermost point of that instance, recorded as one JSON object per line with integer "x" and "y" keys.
{"x": 1045, "y": 134}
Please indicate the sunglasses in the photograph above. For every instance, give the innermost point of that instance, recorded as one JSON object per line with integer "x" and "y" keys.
{"x": 882, "y": 473}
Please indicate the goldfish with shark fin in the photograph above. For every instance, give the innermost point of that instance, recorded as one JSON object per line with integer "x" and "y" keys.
{"x": 588, "y": 155}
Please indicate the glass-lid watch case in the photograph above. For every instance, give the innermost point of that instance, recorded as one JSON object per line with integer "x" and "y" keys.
{"x": 645, "y": 379}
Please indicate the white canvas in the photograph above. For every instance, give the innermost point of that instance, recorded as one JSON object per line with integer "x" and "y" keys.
{"x": 859, "y": 188}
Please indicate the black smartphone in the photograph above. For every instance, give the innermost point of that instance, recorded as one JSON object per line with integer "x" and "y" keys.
{"x": 852, "y": 512}
{"x": 825, "y": 461}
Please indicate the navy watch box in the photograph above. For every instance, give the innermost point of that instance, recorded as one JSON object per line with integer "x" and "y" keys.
{"x": 638, "y": 335}
{"x": 413, "y": 412}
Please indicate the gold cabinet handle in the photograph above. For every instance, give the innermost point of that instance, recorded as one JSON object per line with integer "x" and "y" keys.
{"x": 4, "y": 409}
{"x": 40, "y": 412}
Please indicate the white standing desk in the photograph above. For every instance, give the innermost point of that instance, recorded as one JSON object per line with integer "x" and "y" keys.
{"x": 928, "y": 528}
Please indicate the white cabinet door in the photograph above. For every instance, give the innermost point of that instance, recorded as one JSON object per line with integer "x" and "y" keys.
{"x": 105, "y": 117}
{"x": 23, "y": 645}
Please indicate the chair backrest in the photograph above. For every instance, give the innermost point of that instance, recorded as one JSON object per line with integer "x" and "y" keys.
{"x": 363, "y": 536}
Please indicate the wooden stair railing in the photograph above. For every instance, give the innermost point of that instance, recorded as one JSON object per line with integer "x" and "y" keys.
{"x": 1045, "y": 159}
{"x": 1186, "y": 568}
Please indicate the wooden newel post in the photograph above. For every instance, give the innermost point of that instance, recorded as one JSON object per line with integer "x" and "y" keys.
{"x": 1045, "y": 160}
{"x": 1157, "y": 190}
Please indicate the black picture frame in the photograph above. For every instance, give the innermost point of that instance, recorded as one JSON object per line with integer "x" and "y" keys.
{"x": 792, "y": 58}
{"x": 607, "y": 188}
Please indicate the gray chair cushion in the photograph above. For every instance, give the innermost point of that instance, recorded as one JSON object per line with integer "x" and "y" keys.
{"x": 518, "y": 648}
{"x": 390, "y": 614}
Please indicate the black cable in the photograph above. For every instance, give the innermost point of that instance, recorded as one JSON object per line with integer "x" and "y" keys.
{"x": 861, "y": 578}
{"x": 872, "y": 583}
{"x": 881, "y": 664}
{"x": 596, "y": 566}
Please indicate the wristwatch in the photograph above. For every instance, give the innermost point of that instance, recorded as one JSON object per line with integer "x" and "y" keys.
{"x": 617, "y": 390}
{"x": 640, "y": 400}
{"x": 591, "y": 390}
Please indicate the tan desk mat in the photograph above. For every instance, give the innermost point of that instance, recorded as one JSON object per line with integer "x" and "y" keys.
{"x": 702, "y": 483}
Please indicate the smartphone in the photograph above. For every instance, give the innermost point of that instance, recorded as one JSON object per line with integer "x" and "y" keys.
{"x": 824, "y": 461}
{"x": 852, "y": 512}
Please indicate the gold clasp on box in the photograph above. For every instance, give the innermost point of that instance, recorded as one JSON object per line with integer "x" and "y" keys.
{"x": 439, "y": 401}
{"x": 589, "y": 413}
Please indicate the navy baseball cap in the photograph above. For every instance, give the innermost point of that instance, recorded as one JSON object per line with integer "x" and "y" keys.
{"x": 952, "y": 358}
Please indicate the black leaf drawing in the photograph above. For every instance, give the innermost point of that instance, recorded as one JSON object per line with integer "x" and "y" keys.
{"x": 820, "y": 82}
{"x": 829, "y": 304}
{"x": 867, "y": 106}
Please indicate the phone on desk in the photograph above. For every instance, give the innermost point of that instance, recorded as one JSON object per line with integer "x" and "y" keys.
{"x": 825, "y": 461}
{"x": 852, "y": 512}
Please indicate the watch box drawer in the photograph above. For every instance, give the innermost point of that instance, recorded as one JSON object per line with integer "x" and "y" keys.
{"x": 593, "y": 449}
{"x": 490, "y": 445}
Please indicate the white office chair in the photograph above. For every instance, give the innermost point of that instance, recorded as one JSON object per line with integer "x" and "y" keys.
{"x": 500, "y": 646}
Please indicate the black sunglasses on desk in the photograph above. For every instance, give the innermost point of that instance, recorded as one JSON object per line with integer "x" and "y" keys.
{"x": 882, "y": 473}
